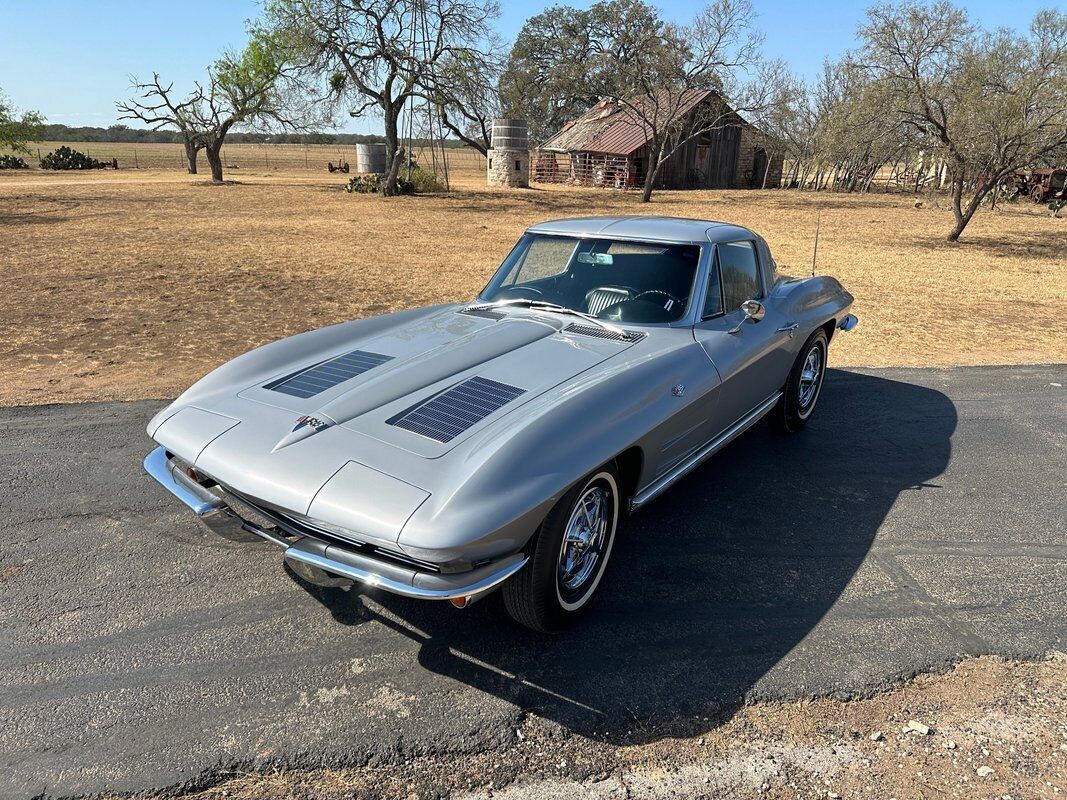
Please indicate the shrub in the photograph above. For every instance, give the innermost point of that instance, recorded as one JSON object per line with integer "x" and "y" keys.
{"x": 371, "y": 183}
{"x": 424, "y": 181}
{"x": 12, "y": 162}
{"x": 364, "y": 184}
{"x": 66, "y": 158}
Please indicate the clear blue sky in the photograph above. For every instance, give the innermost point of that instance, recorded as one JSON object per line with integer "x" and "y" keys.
{"x": 70, "y": 59}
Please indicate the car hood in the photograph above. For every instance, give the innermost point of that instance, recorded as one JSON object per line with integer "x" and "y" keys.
{"x": 333, "y": 430}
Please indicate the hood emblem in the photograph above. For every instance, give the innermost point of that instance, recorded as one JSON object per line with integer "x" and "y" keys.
{"x": 314, "y": 423}
{"x": 304, "y": 427}
{"x": 678, "y": 390}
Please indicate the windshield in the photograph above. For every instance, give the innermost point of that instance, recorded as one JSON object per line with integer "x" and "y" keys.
{"x": 606, "y": 278}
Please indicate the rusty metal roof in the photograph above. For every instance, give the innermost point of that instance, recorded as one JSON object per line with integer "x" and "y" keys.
{"x": 614, "y": 129}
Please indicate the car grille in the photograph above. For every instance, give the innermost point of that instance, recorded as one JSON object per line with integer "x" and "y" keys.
{"x": 268, "y": 518}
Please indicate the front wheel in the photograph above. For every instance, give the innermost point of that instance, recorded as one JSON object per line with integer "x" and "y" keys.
{"x": 801, "y": 391}
{"x": 569, "y": 555}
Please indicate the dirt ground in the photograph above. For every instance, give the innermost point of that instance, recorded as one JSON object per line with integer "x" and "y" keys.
{"x": 132, "y": 284}
{"x": 987, "y": 729}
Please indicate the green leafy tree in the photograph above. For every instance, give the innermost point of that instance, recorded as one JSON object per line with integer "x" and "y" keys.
{"x": 17, "y": 130}
{"x": 565, "y": 58}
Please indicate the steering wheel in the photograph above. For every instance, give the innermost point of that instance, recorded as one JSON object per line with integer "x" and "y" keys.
{"x": 670, "y": 297}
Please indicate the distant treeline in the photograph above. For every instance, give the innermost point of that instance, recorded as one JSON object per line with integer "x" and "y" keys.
{"x": 124, "y": 133}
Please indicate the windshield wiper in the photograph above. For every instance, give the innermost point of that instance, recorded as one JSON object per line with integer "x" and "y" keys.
{"x": 544, "y": 305}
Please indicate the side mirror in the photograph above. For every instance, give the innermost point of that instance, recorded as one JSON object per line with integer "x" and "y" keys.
{"x": 752, "y": 310}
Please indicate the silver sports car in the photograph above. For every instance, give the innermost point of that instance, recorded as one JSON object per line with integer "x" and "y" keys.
{"x": 443, "y": 452}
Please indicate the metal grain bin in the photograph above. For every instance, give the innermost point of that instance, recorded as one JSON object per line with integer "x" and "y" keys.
{"x": 372, "y": 158}
{"x": 510, "y": 134}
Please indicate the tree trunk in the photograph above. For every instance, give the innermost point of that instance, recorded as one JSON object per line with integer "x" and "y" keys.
{"x": 655, "y": 156}
{"x": 190, "y": 156}
{"x": 963, "y": 213}
{"x": 214, "y": 158}
{"x": 766, "y": 170}
{"x": 392, "y": 145}
{"x": 650, "y": 178}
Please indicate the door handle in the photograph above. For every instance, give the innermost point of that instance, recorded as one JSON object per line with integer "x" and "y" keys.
{"x": 790, "y": 329}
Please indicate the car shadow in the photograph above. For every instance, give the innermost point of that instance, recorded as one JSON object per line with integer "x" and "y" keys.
{"x": 710, "y": 585}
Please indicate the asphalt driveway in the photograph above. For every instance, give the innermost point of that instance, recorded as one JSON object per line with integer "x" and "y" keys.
{"x": 919, "y": 518}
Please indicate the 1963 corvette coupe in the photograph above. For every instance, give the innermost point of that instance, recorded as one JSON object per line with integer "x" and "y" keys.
{"x": 442, "y": 452}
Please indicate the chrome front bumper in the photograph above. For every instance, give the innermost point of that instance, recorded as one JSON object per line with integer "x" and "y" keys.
{"x": 326, "y": 562}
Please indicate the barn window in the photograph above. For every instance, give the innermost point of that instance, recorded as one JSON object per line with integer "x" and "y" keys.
{"x": 517, "y": 165}
{"x": 490, "y": 163}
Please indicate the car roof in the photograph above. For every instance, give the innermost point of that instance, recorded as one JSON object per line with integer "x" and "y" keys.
{"x": 648, "y": 227}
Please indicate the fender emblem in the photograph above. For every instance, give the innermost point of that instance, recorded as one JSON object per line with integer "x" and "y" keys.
{"x": 678, "y": 390}
{"x": 310, "y": 422}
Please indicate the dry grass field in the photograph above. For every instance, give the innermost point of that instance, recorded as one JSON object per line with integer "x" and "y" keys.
{"x": 131, "y": 284}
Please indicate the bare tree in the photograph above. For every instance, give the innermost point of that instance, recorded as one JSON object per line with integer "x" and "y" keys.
{"x": 778, "y": 115}
{"x": 673, "y": 67}
{"x": 156, "y": 107}
{"x": 255, "y": 87}
{"x": 464, "y": 92}
{"x": 990, "y": 103}
{"x": 377, "y": 55}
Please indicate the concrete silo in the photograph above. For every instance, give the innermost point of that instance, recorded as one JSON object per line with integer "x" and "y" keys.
{"x": 509, "y": 159}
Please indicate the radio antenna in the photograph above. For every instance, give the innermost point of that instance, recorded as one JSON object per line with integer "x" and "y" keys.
{"x": 815, "y": 252}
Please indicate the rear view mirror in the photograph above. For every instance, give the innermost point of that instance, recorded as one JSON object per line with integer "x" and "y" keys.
{"x": 600, "y": 259}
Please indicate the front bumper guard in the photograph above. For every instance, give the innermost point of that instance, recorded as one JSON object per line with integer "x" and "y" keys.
{"x": 326, "y": 563}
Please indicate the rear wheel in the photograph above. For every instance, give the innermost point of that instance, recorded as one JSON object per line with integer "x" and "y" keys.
{"x": 802, "y": 389}
{"x": 569, "y": 555}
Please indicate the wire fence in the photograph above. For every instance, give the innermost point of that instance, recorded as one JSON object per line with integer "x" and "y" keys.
{"x": 270, "y": 157}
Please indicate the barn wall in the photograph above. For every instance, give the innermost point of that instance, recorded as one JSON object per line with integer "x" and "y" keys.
{"x": 751, "y": 140}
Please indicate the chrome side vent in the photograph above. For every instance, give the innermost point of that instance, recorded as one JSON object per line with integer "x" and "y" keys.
{"x": 603, "y": 333}
{"x": 447, "y": 415}
{"x": 327, "y": 374}
{"x": 482, "y": 312}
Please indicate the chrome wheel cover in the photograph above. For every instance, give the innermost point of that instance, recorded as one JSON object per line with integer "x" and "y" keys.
{"x": 584, "y": 540}
{"x": 810, "y": 378}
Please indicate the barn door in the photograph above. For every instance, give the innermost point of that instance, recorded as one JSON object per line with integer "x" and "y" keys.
{"x": 725, "y": 150}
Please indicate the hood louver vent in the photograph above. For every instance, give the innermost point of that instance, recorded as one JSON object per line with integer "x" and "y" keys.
{"x": 317, "y": 379}
{"x": 603, "y": 333}
{"x": 446, "y": 416}
{"x": 483, "y": 312}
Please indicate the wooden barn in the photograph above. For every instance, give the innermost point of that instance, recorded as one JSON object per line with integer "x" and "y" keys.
{"x": 607, "y": 146}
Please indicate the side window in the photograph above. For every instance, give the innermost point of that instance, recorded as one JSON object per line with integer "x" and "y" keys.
{"x": 713, "y": 296}
{"x": 740, "y": 273}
